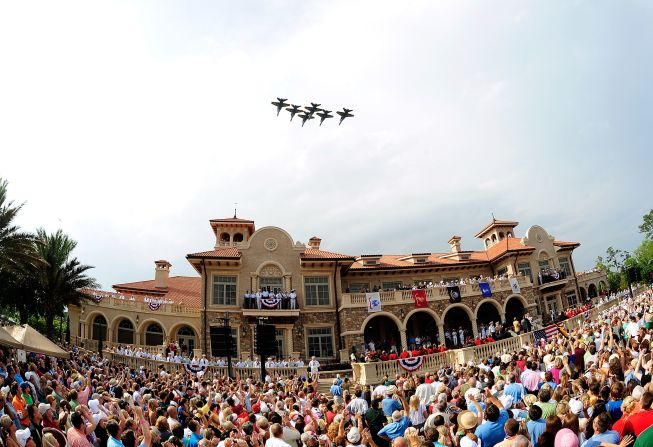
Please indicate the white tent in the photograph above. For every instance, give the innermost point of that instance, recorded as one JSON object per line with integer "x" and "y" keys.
{"x": 33, "y": 341}
{"x": 7, "y": 340}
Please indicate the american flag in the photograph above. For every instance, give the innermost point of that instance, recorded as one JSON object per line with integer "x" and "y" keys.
{"x": 547, "y": 332}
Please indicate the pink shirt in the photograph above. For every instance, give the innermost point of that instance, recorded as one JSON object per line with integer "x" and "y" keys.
{"x": 77, "y": 439}
{"x": 530, "y": 379}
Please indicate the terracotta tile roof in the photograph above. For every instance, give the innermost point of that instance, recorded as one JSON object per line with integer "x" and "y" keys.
{"x": 314, "y": 253}
{"x": 399, "y": 261}
{"x": 496, "y": 222}
{"x": 565, "y": 244}
{"x": 226, "y": 252}
{"x": 509, "y": 244}
{"x": 181, "y": 289}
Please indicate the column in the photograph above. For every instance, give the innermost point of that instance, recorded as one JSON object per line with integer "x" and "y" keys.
{"x": 402, "y": 336}
{"x": 474, "y": 329}
{"x": 559, "y": 301}
{"x": 441, "y": 334}
{"x": 503, "y": 318}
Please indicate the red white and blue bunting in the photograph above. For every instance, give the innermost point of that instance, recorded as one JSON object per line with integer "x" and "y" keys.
{"x": 412, "y": 363}
{"x": 195, "y": 368}
{"x": 270, "y": 303}
{"x": 97, "y": 298}
{"x": 154, "y": 306}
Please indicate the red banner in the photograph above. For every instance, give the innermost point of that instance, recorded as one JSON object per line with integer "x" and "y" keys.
{"x": 419, "y": 296}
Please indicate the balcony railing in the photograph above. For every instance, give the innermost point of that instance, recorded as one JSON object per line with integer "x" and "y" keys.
{"x": 434, "y": 293}
{"x": 551, "y": 275}
{"x": 133, "y": 305}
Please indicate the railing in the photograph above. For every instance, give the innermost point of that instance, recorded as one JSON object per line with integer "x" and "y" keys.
{"x": 373, "y": 372}
{"x": 552, "y": 275}
{"x": 432, "y": 293}
{"x": 213, "y": 371}
{"x": 93, "y": 345}
{"x": 140, "y": 306}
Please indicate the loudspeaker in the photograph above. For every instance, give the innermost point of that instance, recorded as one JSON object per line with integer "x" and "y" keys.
{"x": 222, "y": 342}
{"x": 266, "y": 339}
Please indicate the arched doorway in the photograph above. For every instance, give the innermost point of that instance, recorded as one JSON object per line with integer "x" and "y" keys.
{"x": 583, "y": 294}
{"x": 383, "y": 332}
{"x": 456, "y": 318}
{"x": 514, "y": 309}
{"x": 154, "y": 335}
{"x": 186, "y": 339}
{"x": 487, "y": 313}
{"x": 423, "y": 326}
{"x": 591, "y": 291}
{"x": 99, "y": 331}
{"x": 125, "y": 332}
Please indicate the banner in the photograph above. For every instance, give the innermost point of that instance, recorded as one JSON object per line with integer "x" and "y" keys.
{"x": 195, "y": 368}
{"x": 454, "y": 294}
{"x": 270, "y": 303}
{"x": 419, "y": 296}
{"x": 486, "y": 291}
{"x": 373, "y": 302}
{"x": 153, "y": 306}
{"x": 412, "y": 363}
{"x": 514, "y": 285}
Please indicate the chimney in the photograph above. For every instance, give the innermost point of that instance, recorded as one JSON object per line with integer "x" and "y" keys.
{"x": 161, "y": 274}
{"x": 314, "y": 242}
{"x": 454, "y": 242}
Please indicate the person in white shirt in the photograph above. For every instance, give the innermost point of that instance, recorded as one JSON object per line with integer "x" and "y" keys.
{"x": 259, "y": 296}
{"x": 424, "y": 391}
{"x": 314, "y": 365}
{"x": 293, "y": 299}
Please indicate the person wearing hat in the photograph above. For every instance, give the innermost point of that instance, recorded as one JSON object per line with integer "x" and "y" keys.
{"x": 467, "y": 423}
{"x": 389, "y": 404}
{"x": 399, "y": 421}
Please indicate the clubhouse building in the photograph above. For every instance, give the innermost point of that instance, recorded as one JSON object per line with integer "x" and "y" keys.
{"x": 329, "y": 315}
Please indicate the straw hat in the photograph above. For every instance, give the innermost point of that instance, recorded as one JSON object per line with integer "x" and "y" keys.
{"x": 467, "y": 420}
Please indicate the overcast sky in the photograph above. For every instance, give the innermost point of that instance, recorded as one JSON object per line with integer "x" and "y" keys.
{"x": 131, "y": 124}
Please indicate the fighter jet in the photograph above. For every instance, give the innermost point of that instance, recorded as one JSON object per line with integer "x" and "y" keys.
{"x": 344, "y": 114}
{"x": 293, "y": 109}
{"x": 324, "y": 114}
{"x": 280, "y": 103}
{"x": 305, "y": 117}
{"x": 312, "y": 109}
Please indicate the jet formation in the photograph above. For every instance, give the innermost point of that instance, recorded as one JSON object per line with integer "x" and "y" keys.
{"x": 307, "y": 113}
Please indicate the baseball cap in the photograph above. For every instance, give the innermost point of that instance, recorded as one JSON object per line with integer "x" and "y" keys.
{"x": 22, "y": 436}
{"x": 43, "y": 408}
{"x": 353, "y": 435}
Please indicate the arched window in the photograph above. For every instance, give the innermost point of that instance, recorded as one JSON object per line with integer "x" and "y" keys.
{"x": 509, "y": 234}
{"x": 224, "y": 238}
{"x": 125, "y": 332}
{"x": 99, "y": 328}
{"x": 238, "y": 237}
{"x": 154, "y": 335}
{"x": 487, "y": 242}
{"x": 494, "y": 238}
{"x": 501, "y": 235}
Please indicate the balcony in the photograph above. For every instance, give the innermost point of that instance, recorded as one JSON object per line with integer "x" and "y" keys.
{"x": 352, "y": 300}
{"x": 128, "y": 303}
{"x": 551, "y": 280}
{"x": 270, "y": 309}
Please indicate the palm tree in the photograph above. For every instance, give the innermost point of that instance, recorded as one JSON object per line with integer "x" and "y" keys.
{"x": 63, "y": 278}
{"x": 16, "y": 247}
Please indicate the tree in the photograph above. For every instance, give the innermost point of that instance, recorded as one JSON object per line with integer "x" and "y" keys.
{"x": 647, "y": 225}
{"x": 62, "y": 280}
{"x": 16, "y": 247}
{"x": 643, "y": 257}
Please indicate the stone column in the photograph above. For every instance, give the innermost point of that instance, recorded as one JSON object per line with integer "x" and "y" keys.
{"x": 441, "y": 334}
{"x": 404, "y": 342}
{"x": 474, "y": 329}
{"x": 289, "y": 341}
{"x": 503, "y": 317}
{"x": 559, "y": 301}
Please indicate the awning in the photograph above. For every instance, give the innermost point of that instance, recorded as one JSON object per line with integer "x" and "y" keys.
{"x": 7, "y": 340}
{"x": 33, "y": 341}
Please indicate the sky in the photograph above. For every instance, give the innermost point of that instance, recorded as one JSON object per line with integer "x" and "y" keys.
{"x": 130, "y": 124}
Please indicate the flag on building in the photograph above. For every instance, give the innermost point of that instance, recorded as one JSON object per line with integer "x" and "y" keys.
{"x": 454, "y": 294}
{"x": 514, "y": 285}
{"x": 486, "y": 291}
{"x": 419, "y": 296}
{"x": 549, "y": 332}
{"x": 373, "y": 301}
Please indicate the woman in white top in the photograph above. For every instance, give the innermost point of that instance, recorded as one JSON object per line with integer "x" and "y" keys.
{"x": 417, "y": 412}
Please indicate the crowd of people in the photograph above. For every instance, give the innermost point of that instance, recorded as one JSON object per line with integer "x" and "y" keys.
{"x": 430, "y": 284}
{"x": 268, "y": 298}
{"x": 589, "y": 388}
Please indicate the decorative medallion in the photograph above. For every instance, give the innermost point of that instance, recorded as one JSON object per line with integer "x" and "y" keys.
{"x": 270, "y": 243}
{"x": 539, "y": 238}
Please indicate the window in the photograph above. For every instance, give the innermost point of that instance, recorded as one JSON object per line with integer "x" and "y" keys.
{"x": 316, "y": 290}
{"x": 154, "y": 335}
{"x": 393, "y": 285}
{"x": 320, "y": 342}
{"x": 357, "y": 287}
{"x": 564, "y": 265}
{"x": 525, "y": 269}
{"x": 272, "y": 284}
{"x": 224, "y": 290}
{"x": 99, "y": 328}
{"x": 571, "y": 299}
{"x": 543, "y": 265}
{"x": 502, "y": 271}
{"x": 125, "y": 332}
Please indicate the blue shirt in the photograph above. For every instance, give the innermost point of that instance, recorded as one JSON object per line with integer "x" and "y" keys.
{"x": 536, "y": 428}
{"x": 395, "y": 429}
{"x": 113, "y": 442}
{"x": 610, "y": 436}
{"x": 614, "y": 408}
{"x": 516, "y": 391}
{"x": 336, "y": 390}
{"x": 389, "y": 405}
{"x": 492, "y": 433}
{"x": 193, "y": 441}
